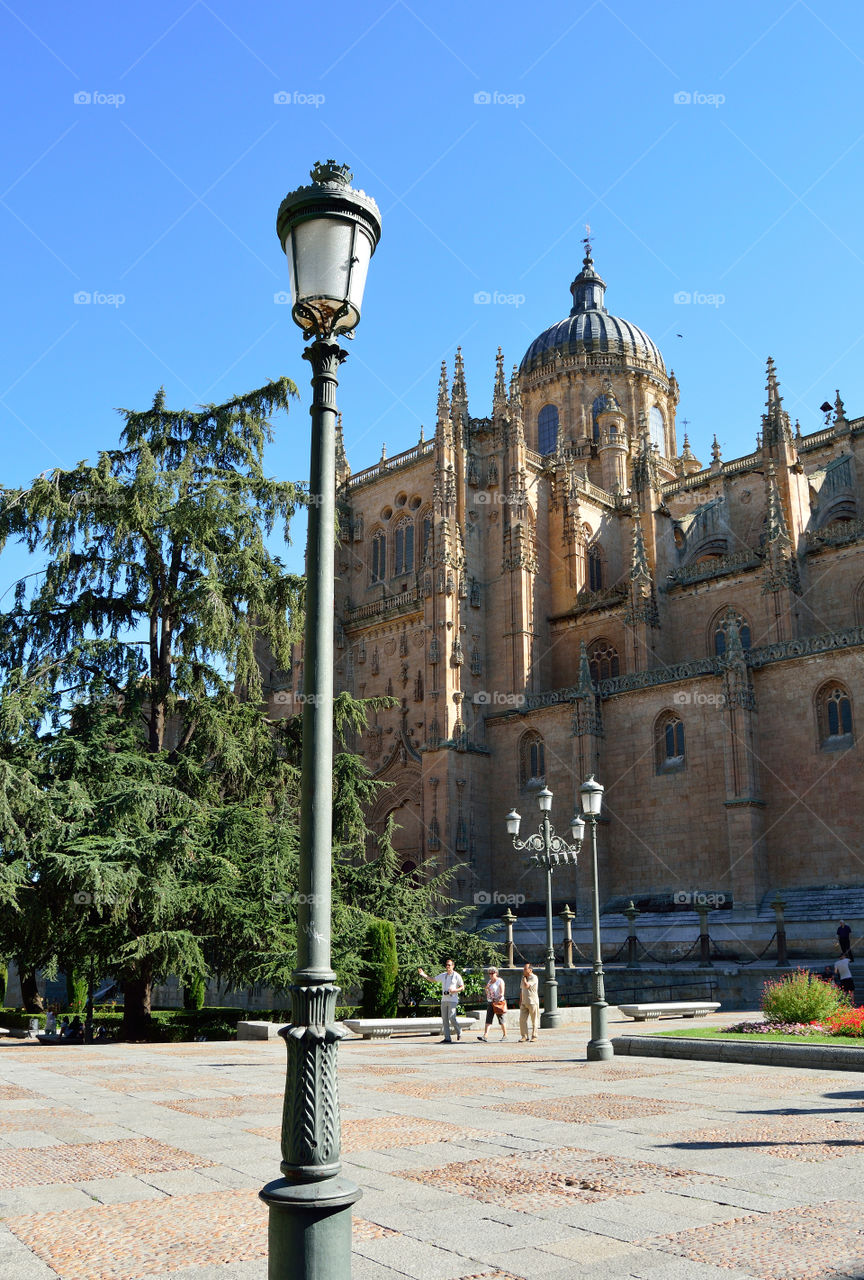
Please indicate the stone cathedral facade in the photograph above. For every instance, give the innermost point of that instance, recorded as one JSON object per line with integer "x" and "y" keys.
{"x": 555, "y": 589}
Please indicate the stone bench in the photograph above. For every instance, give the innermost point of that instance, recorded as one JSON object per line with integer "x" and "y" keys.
{"x": 383, "y": 1028}
{"x": 252, "y": 1030}
{"x": 670, "y": 1009}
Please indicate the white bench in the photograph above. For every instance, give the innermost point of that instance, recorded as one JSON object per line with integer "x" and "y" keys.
{"x": 383, "y": 1028}
{"x": 671, "y": 1009}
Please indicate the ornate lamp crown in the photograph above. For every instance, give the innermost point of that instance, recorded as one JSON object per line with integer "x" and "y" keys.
{"x": 329, "y": 173}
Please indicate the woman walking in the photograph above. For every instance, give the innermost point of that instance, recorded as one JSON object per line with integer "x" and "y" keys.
{"x": 529, "y": 1004}
{"x": 496, "y": 1005}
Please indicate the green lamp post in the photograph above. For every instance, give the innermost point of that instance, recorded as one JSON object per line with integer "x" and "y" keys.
{"x": 329, "y": 232}
{"x": 599, "y": 1046}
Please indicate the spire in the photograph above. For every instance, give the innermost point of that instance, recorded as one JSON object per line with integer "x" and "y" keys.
{"x": 443, "y": 395}
{"x": 588, "y": 288}
{"x": 499, "y": 394}
{"x": 644, "y": 463}
{"x": 585, "y": 687}
{"x": 460, "y": 391}
{"x": 776, "y": 427}
{"x": 639, "y": 568}
{"x": 780, "y": 567}
{"x": 643, "y": 600}
{"x": 515, "y": 394}
{"x": 839, "y": 409}
{"x": 587, "y": 720}
{"x": 343, "y": 471}
{"x": 716, "y": 456}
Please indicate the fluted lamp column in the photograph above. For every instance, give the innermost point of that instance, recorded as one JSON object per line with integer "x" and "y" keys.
{"x": 599, "y": 1046}
{"x": 329, "y": 232}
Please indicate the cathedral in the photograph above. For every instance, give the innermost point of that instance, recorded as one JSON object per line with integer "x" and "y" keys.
{"x": 554, "y": 590}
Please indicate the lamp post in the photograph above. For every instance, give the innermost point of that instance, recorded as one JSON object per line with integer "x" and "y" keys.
{"x": 329, "y": 232}
{"x": 599, "y": 1046}
{"x": 548, "y": 851}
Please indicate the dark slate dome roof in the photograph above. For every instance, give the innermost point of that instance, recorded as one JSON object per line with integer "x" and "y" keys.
{"x": 590, "y": 327}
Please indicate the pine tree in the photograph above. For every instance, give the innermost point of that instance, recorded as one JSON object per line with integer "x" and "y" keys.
{"x": 158, "y": 584}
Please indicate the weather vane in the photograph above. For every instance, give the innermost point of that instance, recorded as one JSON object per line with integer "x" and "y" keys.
{"x": 587, "y": 240}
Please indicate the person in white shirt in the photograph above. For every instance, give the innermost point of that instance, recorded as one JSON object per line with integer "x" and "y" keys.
{"x": 451, "y": 988}
{"x": 496, "y": 1006}
{"x": 844, "y": 976}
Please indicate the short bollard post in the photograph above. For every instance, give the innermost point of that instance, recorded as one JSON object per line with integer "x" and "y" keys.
{"x": 631, "y": 912}
{"x": 704, "y": 939}
{"x": 509, "y": 919}
{"x": 568, "y": 917}
{"x": 782, "y": 958}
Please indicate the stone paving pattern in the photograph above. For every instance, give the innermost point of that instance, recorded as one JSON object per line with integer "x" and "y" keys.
{"x": 144, "y": 1162}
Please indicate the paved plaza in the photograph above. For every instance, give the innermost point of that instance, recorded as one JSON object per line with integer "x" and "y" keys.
{"x": 497, "y": 1161}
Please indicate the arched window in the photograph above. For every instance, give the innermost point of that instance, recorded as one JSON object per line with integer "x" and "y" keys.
{"x": 403, "y": 545}
{"x": 657, "y": 429}
{"x": 595, "y": 568}
{"x": 547, "y": 429}
{"x": 427, "y": 537}
{"x": 597, "y": 407}
{"x": 669, "y": 752}
{"x": 532, "y": 760}
{"x": 603, "y": 661}
{"x": 379, "y": 556}
{"x": 834, "y": 717}
{"x": 720, "y": 627}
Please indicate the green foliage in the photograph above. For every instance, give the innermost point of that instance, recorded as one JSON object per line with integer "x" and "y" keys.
{"x": 195, "y": 992}
{"x": 76, "y": 992}
{"x": 380, "y": 987}
{"x": 801, "y": 996}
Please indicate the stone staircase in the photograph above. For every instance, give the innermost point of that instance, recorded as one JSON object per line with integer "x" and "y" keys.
{"x": 831, "y": 903}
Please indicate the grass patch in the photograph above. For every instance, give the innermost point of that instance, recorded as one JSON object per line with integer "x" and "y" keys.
{"x": 716, "y": 1033}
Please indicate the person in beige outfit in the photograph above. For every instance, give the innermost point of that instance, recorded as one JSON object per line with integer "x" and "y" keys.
{"x": 529, "y": 1004}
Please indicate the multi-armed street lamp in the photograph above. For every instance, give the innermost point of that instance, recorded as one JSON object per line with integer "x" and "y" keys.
{"x": 548, "y": 850}
{"x": 328, "y": 232}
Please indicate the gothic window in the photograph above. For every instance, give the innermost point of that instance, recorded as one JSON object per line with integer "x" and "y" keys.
{"x": 669, "y": 743}
{"x": 719, "y": 629}
{"x": 603, "y": 661}
{"x": 834, "y": 717}
{"x": 657, "y": 429}
{"x": 595, "y": 568}
{"x": 379, "y": 556}
{"x": 404, "y": 547}
{"x": 597, "y": 408}
{"x": 532, "y": 760}
{"x": 547, "y": 429}
{"x": 427, "y": 538}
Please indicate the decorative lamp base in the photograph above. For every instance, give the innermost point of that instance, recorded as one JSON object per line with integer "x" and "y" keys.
{"x": 310, "y": 1228}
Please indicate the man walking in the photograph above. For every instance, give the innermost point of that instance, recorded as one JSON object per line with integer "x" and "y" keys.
{"x": 844, "y": 937}
{"x": 451, "y": 988}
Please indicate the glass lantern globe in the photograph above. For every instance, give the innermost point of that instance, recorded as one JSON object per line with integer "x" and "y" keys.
{"x": 329, "y": 232}
{"x": 513, "y": 820}
{"x": 591, "y": 793}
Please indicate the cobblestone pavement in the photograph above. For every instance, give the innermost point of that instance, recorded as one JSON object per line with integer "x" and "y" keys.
{"x": 528, "y": 1163}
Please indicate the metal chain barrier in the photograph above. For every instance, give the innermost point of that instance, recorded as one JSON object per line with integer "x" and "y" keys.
{"x": 673, "y": 960}
{"x": 715, "y": 951}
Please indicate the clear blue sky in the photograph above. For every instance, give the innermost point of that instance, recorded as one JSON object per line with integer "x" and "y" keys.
{"x": 169, "y": 198}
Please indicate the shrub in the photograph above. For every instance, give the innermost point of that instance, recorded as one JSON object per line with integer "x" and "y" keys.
{"x": 801, "y": 996}
{"x": 195, "y": 992}
{"x": 76, "y": 992}
{"x": 4, "y": 978}
{"x": 380, "y": 988}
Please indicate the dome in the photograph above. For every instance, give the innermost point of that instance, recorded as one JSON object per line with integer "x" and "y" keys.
{"x": 590, "y": 328}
